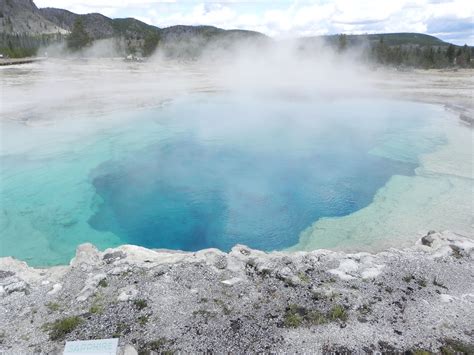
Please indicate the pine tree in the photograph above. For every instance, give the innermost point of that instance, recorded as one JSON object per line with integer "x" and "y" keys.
{"x": 78, "y": 38}
{"x": 151, "y": 42}
{"x": 341, "y": 42}
{"x": 450, "y": 54}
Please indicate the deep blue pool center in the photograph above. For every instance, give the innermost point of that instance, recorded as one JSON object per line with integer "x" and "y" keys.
{"x": 237, "y": 170}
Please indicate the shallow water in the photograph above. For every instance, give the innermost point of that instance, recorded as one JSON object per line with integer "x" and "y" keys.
{"x": 207, "y": 171}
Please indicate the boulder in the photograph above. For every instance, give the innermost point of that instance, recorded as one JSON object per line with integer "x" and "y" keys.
{"x": 15, "y": 285}
{"x": 87, "y": 257}
{"x": 428, "y": 239}
{"x": 90, "y": 287}
{"x": 129, "y": 350}
{"x": 112, "y": 257}
{"x": 127, "y": 294}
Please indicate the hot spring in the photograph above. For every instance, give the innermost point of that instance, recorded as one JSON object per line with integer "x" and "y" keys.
{"x": 215, "y": 170}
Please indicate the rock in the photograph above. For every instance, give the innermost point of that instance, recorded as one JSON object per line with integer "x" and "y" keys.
{"x": 16, "y": 285}
{"x": 285, "y": 273}
{"x": 129, "y": 350}
{"x": 346, "y": 268}
{"x": 110, "y": 258}
{"x": 118, "y": 270}
{"x": 90, "y": 287}
{"x": 265, "y": 267}
{"x": 456, "y": 251}
{"x": 371, "y": 273}
{"x": 220, "y": 262}
{"x": 127, "y": 294}
{"x": 427, "y": 239}
{"x": 232, "y": 282}
{"x": 86, "y": 257}
{"x": 445, "y": 298}
{"x": 56, "y": 288}
{"x": 341, "y": 274}
{"x": 5, "y": 274}
{"x": 245, "y": 251}
{"x": 213, "y": 257}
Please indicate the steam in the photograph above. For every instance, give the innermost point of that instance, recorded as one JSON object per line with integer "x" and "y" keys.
{"x": 97, "y": 80}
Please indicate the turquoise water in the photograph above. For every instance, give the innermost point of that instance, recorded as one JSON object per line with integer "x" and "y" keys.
{"x": 205, "y": 171}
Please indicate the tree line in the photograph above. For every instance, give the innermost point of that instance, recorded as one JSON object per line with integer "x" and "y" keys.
{"x": 412, "y": 55}
{"x": 379, "y": 52}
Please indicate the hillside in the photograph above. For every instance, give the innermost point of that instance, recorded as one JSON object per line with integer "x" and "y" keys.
{"x": 18, "y": 17}
{"x": 24, "y": 28}
{"x": 98, "y": 26}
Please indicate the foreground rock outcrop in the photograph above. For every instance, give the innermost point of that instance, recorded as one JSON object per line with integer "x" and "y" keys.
{"x": 245, "y": 301}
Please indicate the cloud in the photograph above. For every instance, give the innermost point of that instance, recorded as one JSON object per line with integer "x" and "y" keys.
{"x": 285, "y": 18}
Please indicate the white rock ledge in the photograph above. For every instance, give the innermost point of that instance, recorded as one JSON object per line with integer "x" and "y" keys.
{"x": 245, "y": 300}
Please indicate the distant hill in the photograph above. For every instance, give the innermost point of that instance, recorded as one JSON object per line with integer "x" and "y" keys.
{"x": 98, "y": 26}
{"x": 390, "y": 39}
{"x": 24, "y": 28}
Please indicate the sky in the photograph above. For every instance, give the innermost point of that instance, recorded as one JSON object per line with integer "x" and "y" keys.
{"x": 450, "y": 20}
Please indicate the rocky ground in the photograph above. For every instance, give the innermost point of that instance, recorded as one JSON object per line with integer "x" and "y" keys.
{"x": 419, "y": 299}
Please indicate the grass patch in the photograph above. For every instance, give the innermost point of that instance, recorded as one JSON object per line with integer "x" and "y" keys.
{"x": 140, "y": 304}
{"x": 224, "y": 307}
{"x": 142, "y": 320}
{"x": 421, "y": 282}
{"x": 293, "y": 318}
{"x": 316, "y": 318}
{"x": 337, "y": 312}
{"x": 96, "y": 309}
{"x": 204, "y": 313}
{"x": 103, "y": 283}
{"x": 61, "y": 327}
{"x": 53, "y": 306}
{"x": 120, "y": 329}
{"x": 303, "y": 277}
{"x": 453, "y": 347}
{"x": 296, "y": 316}
{"x": 158, "y": 346}
{"x": 420, "y": 352}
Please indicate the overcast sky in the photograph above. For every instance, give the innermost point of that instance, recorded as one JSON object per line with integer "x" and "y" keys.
{"x": 450, "y": 20}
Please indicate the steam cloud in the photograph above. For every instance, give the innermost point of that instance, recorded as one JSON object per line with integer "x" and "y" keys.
{"x": 98, "y": 80}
